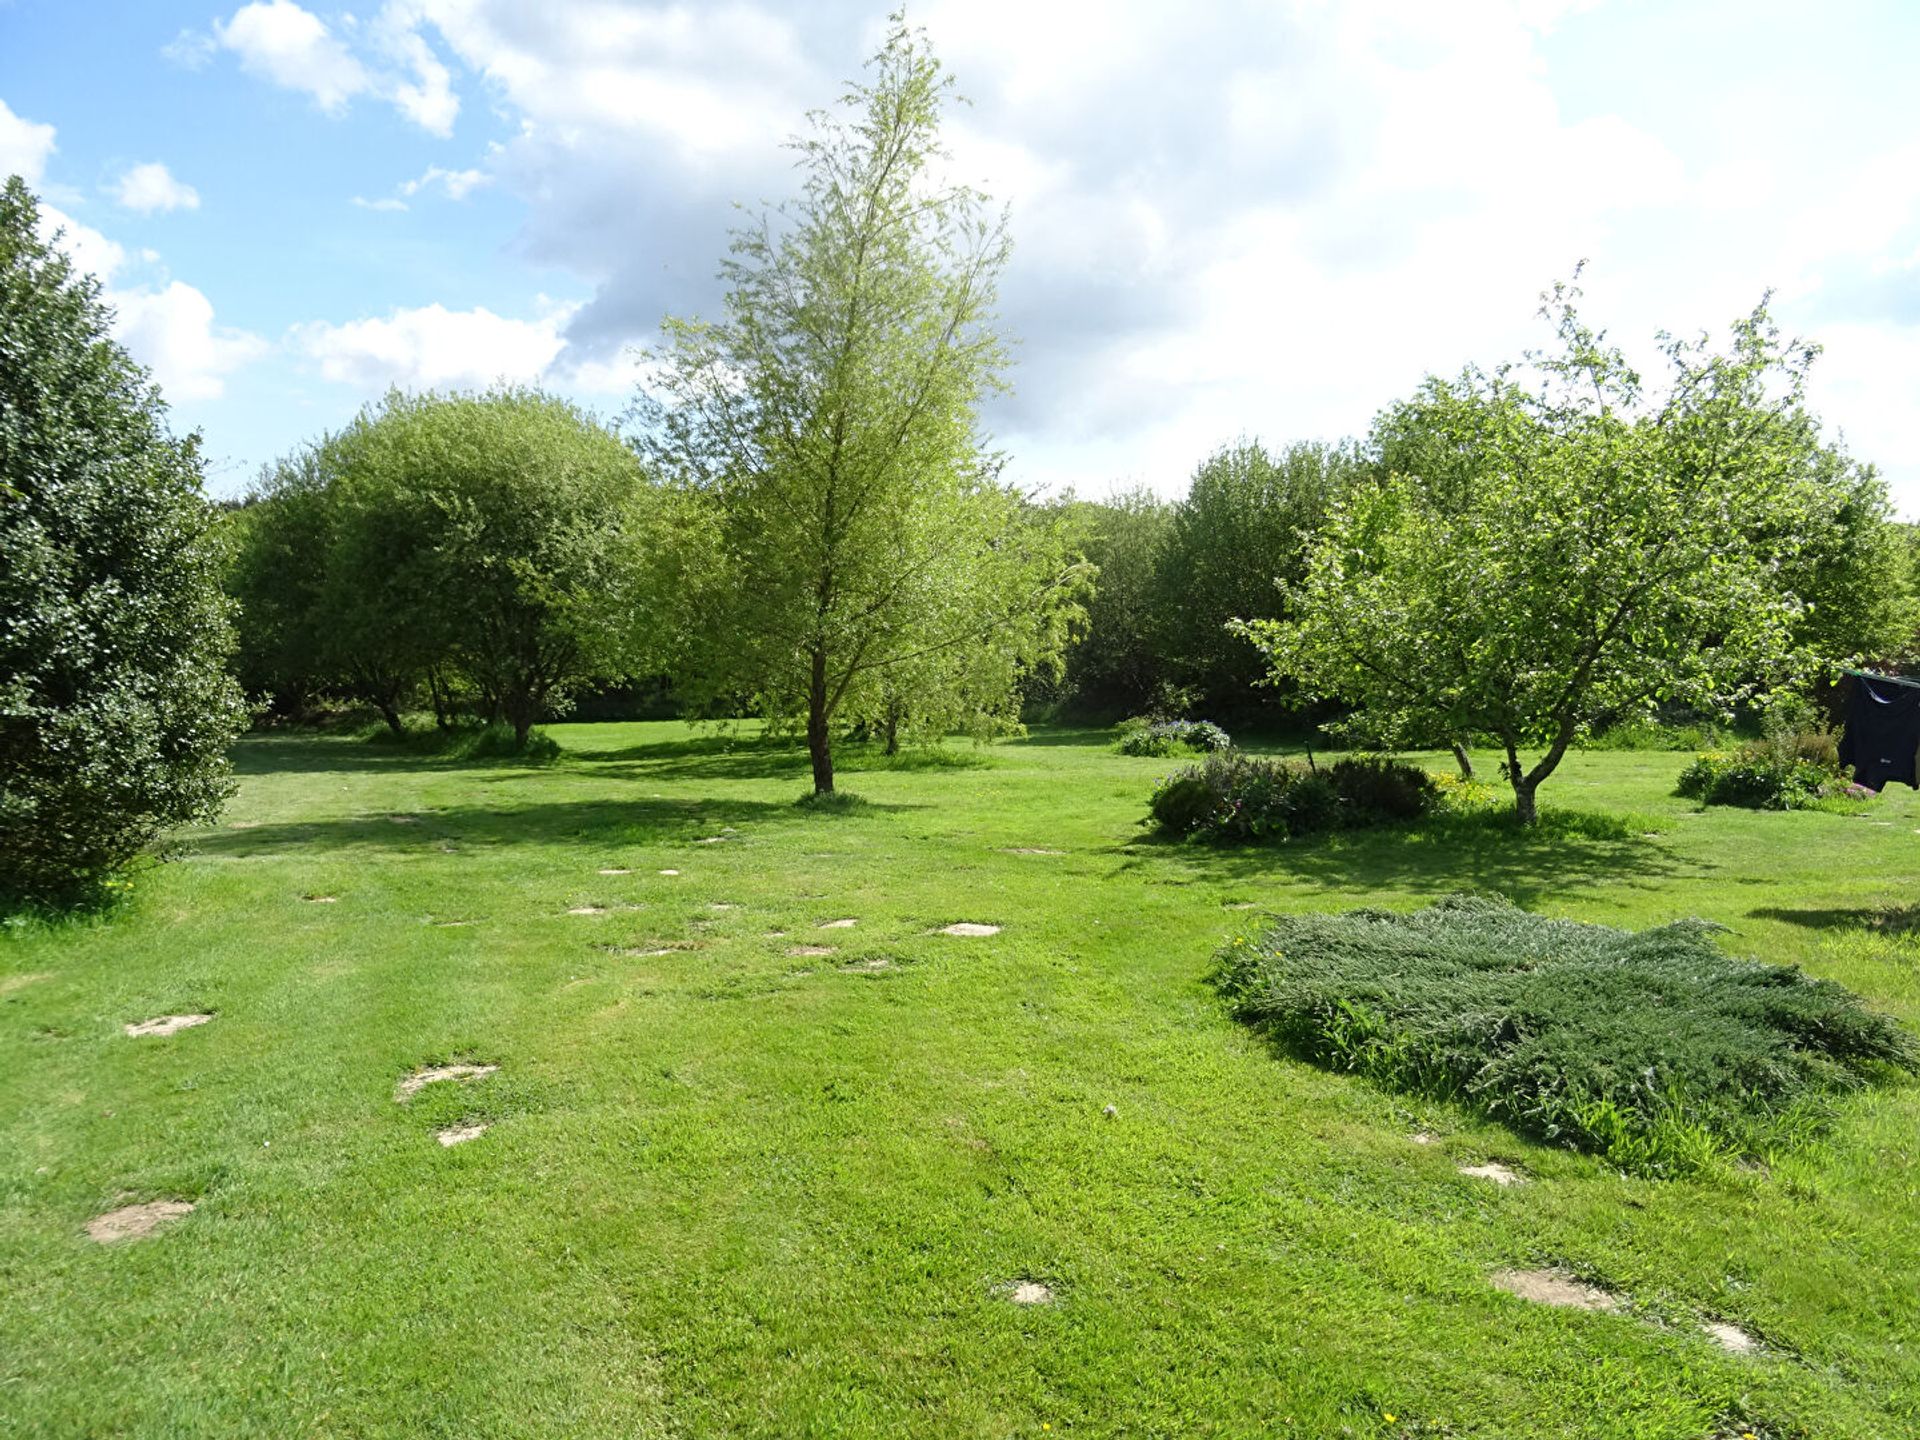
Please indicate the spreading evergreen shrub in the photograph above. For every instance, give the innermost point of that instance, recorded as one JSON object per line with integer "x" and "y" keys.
{"x": 1233, "y": 796}
{"x": 115, "y": 706}
{"x": 1171, "y": 737}
{"x": 1653, "y": 1049}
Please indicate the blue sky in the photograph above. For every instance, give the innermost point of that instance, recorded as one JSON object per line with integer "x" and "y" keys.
{"x": 1230, "y": 218}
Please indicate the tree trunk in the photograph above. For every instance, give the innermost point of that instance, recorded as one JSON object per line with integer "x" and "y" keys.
{"x": 1525, "y": 807}
{"x": 1461, "y": 759}
{"x": 442, "y": 705}
{"x": 391, "y": 714}
{"x": 819, "y": 738}
{"x": 893, "y": 730}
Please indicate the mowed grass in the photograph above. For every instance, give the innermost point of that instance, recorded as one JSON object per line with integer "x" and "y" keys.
{"x": 730, "y": 1191}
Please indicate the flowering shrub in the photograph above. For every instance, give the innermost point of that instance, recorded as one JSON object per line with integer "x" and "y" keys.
{"x": 1162, "y": 738}
{"x": 1230, "y": 796}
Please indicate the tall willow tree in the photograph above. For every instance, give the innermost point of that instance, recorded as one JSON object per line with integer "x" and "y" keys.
{"x": 854, "y": 548}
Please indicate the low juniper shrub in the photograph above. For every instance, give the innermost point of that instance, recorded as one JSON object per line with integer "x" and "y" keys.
{"x": 1233, "y": 796}
{"x": 1162, "y": 738}
{"x": 1651, "y": 1048}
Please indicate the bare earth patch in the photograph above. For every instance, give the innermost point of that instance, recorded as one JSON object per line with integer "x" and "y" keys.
{"x": 809, "y": 951}
{"x": 877, "y": 963}
{"x": 11, "y": 983}
{"x": 1496, "y": 1172}
{"x": 166, "y": 1024}
{"x": 669, "y": 872}
{"x": 1032, "y": 850}
{"x": 1031, "y": 1292}
{"x": 321, "y": 899}
{"x": 968, "y": 927}
{"x": 1242, "y": 905}
{"x": 459, "y": 1134}
{"x": 1555, "y": 1287}
{"x": 588, "y": 910}
{"x": 1423, "y": 1137}
{"x": 837, "y": 924}
{"x": 135, "y": 1222}
{"x": 722, "y": 905}
{"x": 412, "y": 1085}
{"x": 1730, "y": 1338}
{"x": 615, "y": 870}
{"x": 404, "y": 819}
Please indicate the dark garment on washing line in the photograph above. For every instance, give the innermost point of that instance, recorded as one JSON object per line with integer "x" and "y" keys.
{"x": 1882, "y": 742}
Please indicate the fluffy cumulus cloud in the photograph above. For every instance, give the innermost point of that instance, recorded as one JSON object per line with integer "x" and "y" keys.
{"x": 24, "y": 146}
{"x": 432, "y": 347}
{"x": 291, "y": 46}
{"x": 170, "y": 329}
{"x": 151, "y": 187}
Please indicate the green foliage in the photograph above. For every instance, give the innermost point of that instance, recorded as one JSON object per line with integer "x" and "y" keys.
{"x": 1234, "y": 542}
{"x": 1162, "y": 738}
{"x": 1644, "y": 734}
{"x": 483, "y": 548}
{"x": 1565, "y": 555}
{"x": 115, "y": 706}
{"x": 849, "y": 554}
{"x": 1237, "y": 797}
{"x": 1116, "y": 664}
{"x": 1652, "y": 1048}
{"x": 1784, "y": 770}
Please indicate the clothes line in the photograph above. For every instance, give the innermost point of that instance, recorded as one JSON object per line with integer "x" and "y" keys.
{"x": 1889, "y": 679}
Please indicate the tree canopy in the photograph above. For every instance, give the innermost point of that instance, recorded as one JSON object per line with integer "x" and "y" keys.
{"x": 115, "y": 704}
{"x": 1586, "y": 548}
{"x": 862, "y": 559}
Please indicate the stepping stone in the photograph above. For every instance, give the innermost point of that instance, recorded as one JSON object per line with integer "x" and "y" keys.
{"x": 711, "y": 840}
{"x": 413, "y": 1084}
{"x": 404, "y": 819}
{"x": 1423, "y": 1137}
{"x": 588, "y": 910}
{"x": 1554, "y": 1287}
{"x": 1493, "y": 1170}
{"x": 722, "y": 905}
{"x": 166, "y": 1024}
{"x": 879, "y": 962}
{"x": 1032, "y": 850}
{"x": 809, "y": 951}
{"x": 321, "y": 899}
{"x": 1730, "y": 1338}
{"x": 669, "y": 872}
{"x": 1031, "y": 1292}
{"x": 616, "y": 870}
{"x": 459, "y": 1134}
{"x": 968, "y": 927}
{"x": 136, "y": 1222}
{"x": 837, "y": 924}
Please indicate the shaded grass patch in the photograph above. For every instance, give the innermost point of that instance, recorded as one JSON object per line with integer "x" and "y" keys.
{"x": 1651, "y": 1048}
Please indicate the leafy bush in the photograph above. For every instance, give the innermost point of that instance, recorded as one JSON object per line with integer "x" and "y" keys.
{"x": 1162, "y": 738}
{"x": 1784, "y": 770}
{"x": 1232, "y": 796}
{"x": 115, "y": 706}
{"x": 1653, "y": 1049}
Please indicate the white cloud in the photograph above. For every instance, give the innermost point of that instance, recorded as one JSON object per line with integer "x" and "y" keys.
{"x": 151, "y": 187}
{"x": 432, "y": 347}
{"x": 24, "y": 146}
{"x": 385, "y": 202}
{"x": 89, "y": 250}
{"x": 455, "y": 184}
{"x": 170, "y": 330}
{"x": 292, "y": 47}
{"x": 190, "y": 49}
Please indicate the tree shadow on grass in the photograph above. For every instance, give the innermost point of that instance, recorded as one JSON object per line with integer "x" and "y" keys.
{"x": 1894, "y": 920}
{"x": 602, "y": 825}
{"x": 321, "y": 754}
{"x": 1568, "y": 850}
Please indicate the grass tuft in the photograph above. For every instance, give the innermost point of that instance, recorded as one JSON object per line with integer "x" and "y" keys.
{"x": 1652, "y": 1049}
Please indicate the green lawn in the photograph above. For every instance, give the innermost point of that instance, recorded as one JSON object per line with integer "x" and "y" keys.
{"x": 730, "y": 1191}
